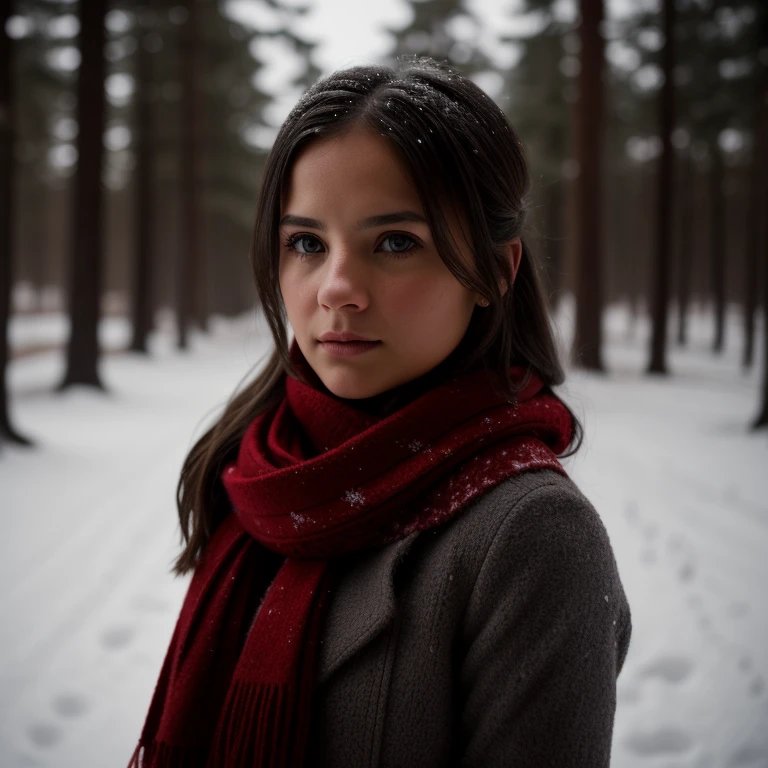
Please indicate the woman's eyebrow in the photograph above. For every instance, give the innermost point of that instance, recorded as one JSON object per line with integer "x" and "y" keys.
{"x": 381, "y": 220}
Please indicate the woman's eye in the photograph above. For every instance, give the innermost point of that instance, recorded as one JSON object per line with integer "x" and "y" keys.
{"x": 315, "y": 246}
{"x": 400, "y": 243}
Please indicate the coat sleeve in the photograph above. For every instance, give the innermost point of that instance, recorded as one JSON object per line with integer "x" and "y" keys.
{"x": 545, "y": 635}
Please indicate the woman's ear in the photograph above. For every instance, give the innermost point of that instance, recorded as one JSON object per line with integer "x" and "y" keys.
{"x": 514, "y": 252}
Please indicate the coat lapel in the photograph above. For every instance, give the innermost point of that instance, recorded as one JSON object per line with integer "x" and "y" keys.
{"x": 362, "y": 604}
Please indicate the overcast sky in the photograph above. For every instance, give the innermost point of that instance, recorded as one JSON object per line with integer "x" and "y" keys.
{"x": 349, "y": 32}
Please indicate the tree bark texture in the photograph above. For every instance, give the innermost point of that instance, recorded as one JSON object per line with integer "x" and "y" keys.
{"x": 587, "y": 350}
{"x": 664, "y": 199}
{"x": 86, "y": 260}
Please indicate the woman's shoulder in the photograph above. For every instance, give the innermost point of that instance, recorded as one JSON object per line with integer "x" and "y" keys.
{"x": 535, "y": 532}
{"x": 530, "y": 523}
{"x": 536, "y": 508}
{"x": 537, "y": 539}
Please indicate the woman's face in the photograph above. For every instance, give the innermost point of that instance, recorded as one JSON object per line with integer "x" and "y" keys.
{"x": 341, "y": 270}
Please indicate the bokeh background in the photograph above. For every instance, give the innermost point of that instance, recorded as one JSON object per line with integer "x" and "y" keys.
{"x": 132, "y": 139}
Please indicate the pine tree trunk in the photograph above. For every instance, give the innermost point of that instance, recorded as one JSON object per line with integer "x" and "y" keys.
{"x": 142, "y": 299}
{"x": 587, "y": 348}
{"x": 664, "y": 198}
{"x": 686, "y": 248}
{"x": 202, "y": 298}
{"x": 762, "y": 418}
{"x": 635, "y": 246}
{"x": 753, "y": 225}
{"x": 188, "y": 265}
{"x": 555, "y": 242}
{"x": 717, "y": 244}
{"x": 622, "y": 236}
{"x": 7, "y": 136}
{"x": 86, "y": 255}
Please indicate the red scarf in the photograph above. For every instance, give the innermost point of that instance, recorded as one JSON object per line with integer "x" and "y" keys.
{"x": 315, "y": 478}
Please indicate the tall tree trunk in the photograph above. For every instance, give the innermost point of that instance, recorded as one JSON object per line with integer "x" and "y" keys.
{"x": 7, "y": 135}
{"x": 587, "y": 348}
{"x": 142, "y": 299}
{"x": 32, "y": 203}
{"x": 555, "y": 242}
{"x": 188, "y": 263}
{"x": 635, "y": 247}
{"x": 686, "y": 185}
{"x": 86, "y": 256}
{"x": 664, "y": 198}
{"x": 621, "y": 235}
{"x": 202, "y": 294}
{"x": 717, "y": 243}
{"x": 762, "y": 417}
{"x": 752, "y": 246}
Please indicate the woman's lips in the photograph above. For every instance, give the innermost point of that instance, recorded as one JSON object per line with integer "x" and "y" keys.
{"x": 347, "y": 348}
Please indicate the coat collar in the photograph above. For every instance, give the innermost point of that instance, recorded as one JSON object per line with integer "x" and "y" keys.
{"x": 362, "y": 605}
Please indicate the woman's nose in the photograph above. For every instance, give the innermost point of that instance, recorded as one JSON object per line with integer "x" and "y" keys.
{"x": 343, "y": 281}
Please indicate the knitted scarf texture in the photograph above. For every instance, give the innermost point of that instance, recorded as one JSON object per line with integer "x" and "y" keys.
{"x": 316, "y": 479}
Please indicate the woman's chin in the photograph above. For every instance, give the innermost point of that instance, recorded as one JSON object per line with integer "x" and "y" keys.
{"x": 353, "y": 385}
{"x": 353, "y": 392}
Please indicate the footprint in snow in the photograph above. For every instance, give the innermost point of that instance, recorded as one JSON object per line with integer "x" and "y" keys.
{"x": 680, "y": 552}
{"x": 745, "y": 665}
{"x": 757, "y": 686}
{"x": 705, "y": 623}
{"x": 686, "y": 566}
{"x": 738, "y": 608}
{"x": 661, "y": 742}
{"x": 686, "y": 571}
{"x": 70, "y": 705}
{"x": 27, "y": 761}
{"x": 44, "y": 734}
{"x": 631, "y": 513}
{"x": 749, "y": 756}
{"x": 115, "y": 638}
{"x": 672, "y": 669}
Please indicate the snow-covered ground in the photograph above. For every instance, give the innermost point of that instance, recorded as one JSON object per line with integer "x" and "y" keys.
{"x": 88, "y": 605}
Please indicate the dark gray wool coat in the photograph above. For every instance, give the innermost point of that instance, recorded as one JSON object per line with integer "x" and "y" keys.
{"x": 492, "y": 640}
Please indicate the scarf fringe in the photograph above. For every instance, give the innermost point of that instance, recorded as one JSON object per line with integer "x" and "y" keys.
{"x": 255, "y": 722}
{"x": 158, "y": 754}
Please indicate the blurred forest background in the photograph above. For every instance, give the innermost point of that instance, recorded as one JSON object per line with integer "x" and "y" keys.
{"x": 645, "y": 125}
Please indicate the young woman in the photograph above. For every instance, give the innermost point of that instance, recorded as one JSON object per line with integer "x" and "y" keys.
{"x": 391, "y": 567}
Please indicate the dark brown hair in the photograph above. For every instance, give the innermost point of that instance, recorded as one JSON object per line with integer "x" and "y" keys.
{"x": 463, "y": 155}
